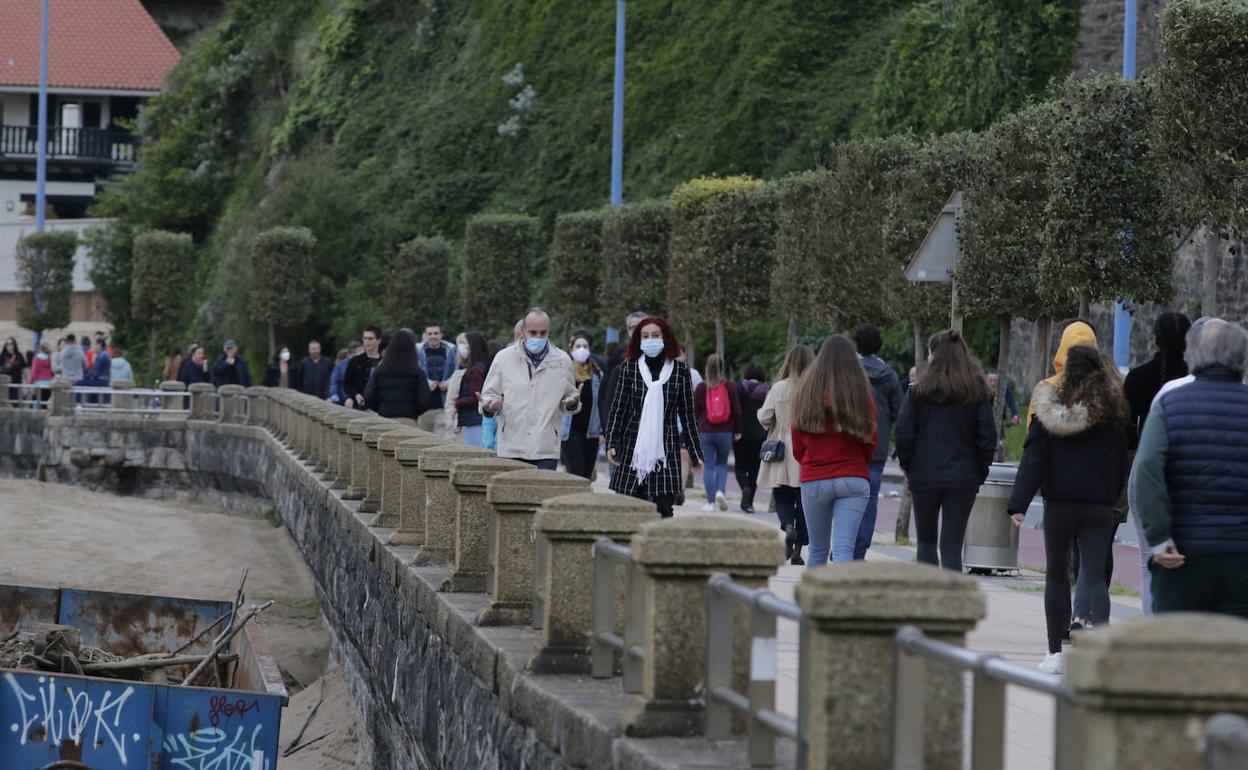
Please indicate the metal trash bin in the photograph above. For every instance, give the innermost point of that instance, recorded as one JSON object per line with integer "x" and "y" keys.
{"x": 991, "y": 538}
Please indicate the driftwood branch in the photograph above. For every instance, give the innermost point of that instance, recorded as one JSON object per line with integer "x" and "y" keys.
{"x": 224, "y": 640}
{"x": 150, "y": 662}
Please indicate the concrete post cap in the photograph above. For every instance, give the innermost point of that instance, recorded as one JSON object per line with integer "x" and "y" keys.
{"x": 172, "y": 385}
{"x": 530, "y": 487}
{"x": 356, "y": 427}
{"x": 439, "y": 459}
{"x": 891, "y": 594}
{"x": 373, "y": 433}
{"x": 121, "y": 384}
{"x": 594, "y": 514}
{"x": 408, "y": 451}
{"x": 389, "y": 442}
{"x": 473, "y": 474}
{"x": 231, "y": 390}
{"x": 256, "y": 390}
{"x": 1182, "y": 661}
{"x": 710, "y": 543}
{"x": 59, "y": 384}
{"x": 198, "y": 387}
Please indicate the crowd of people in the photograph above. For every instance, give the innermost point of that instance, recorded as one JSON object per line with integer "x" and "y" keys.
{"x": 82, "y": 361}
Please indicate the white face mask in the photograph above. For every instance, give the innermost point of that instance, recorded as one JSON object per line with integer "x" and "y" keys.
{"x": 463, "y": 350}
{"x": 285, "y": 355}
{"x": 580, "y": 355}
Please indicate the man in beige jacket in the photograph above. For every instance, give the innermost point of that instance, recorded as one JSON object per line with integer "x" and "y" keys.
{"x": 529, "y": 388}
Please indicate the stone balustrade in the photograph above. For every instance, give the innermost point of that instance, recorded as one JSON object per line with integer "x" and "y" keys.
{"x": 170, "y": 403}
{"x": 231, "y": 412}
{"x": 201, "y": 395}
{"x": 358, "y": 489}
{"x": 120, "y": 400}
{"x": 441, "y": 500}
{"x": 413, "y": 491}
{"x": 469, "y": 479}
{"x": 390, "y": 508}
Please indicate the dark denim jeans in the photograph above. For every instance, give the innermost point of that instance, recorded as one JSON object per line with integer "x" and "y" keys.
{"x": 866, "y": 529}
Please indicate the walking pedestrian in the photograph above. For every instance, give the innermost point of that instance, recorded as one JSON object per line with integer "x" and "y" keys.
{"x": 101, "y": 364}
{"x": 527, "y": 389}
{"x": 41, "y": 367}
{"x": 834, "y": 439}
{"x": 173, "y": 365}
{"x": 439, "y": 362}
{"x": 631, "y": 322}
{"x": 315, "y": 372}
{"x": 489, "y": 423}
{"x": 886, "y": 394}
{"x": 579, "y": 433}
{"x": 1191, "y": 477}
{"x": 230, "y": 368}
{"x": 340, "y": 371}
{"x": 359, "y": 367}
{"x": 945, "y": 442}
{"x": 1076, "y": 452}
{"x": 474, "y": 356}
{"x": 73, "y": 361}
{"x": 281, "y": 374}
{"x": 718, "y": 409}
{"x": 195, "y": 368}
{"x": 781, "y": 472}
{"x": 653, "y": 389}
{"x": 120, "y": 368}
{"x": 751, "y": 393}
{"x": 397, "y": 387}
{"x": 12, "y": 362}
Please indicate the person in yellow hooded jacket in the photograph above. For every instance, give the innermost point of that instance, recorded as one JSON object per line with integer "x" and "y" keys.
{"x": 1076, "y": 333}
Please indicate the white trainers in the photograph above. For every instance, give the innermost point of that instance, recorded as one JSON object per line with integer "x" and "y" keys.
{"x": 1053, "y": 663}
{"x": 721, "y": 502}
{"x": 709, "y": 507}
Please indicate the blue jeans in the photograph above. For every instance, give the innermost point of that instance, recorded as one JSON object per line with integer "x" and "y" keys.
{"x": 472, "y": 435}
{"x": 866, "y": 530}
{"x": 715, "y": 447}
{"x": 834, "y": 509}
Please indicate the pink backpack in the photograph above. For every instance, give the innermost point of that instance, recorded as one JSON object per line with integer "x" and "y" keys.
{"x": 718, "y": 406}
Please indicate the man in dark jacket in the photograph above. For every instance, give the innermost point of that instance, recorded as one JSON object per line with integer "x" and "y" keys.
{"x": 359, "y": 367}
{"x": 315, "y": 372}
{"x": 886, "y": 390}
{"x": 1191, "y": 479}
{"x": 230, "y": 368}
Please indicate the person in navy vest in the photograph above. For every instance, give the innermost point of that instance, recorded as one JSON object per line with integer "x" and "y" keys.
{"x": 1191, "y": 478}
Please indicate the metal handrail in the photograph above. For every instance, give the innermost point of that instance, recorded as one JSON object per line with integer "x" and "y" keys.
{"x": 97, "y": 398}
{"x": 608, "y": 555}
{"x": 765, "y": 723}
{"x": 990, "y": 675}
{"x": 1226, "y": 742}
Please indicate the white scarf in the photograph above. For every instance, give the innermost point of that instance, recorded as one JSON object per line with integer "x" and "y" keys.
{"x": 649, "y": 454}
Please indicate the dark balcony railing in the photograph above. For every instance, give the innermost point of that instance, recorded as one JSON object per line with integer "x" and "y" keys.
{"x": 102, "y": 144}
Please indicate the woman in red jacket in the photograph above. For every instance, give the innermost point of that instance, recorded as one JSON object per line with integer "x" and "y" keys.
{"x": 834, "y": 438}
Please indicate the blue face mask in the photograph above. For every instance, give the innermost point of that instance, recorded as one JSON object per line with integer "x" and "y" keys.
{"x": 652, "y": 348}
{"x": 535, "y": 345}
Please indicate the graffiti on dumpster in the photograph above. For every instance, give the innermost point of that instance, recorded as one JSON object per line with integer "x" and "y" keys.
{"x": 212, "y": 748}
{"x": 222, "y": 706}
{"x": 56, "y": 715}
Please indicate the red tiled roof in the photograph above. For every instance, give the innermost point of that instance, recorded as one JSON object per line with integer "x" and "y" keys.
{"x": 99, "y": 44}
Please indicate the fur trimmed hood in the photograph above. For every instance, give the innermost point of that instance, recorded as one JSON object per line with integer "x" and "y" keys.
{"x": 1097, "y": 407}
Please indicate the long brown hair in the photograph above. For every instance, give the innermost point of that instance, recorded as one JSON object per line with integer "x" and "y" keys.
{"x": 797, "y": 360}
{"x": 1090, "y": 380}
{"x": 714, "y": 371}
{"x": 834, "y": 391}
{"x": 953, "y": 376}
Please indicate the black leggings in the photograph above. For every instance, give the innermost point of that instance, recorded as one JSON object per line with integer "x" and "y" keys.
{"x": 941, "y": 514}
{"x": 580, "y": 454}
{"x": 1093, "y": 526}
{"x": 745, "y": 454}
{"x": 789, "y": 511}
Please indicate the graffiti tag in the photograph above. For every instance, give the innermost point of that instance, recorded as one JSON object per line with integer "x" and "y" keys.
{"x": 59, "y": 715}
{"x": 212, "y": 748}
{"x": 221, "y": 706}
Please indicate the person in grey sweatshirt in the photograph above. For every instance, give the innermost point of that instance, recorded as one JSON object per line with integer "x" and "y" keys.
{"x": 886, "y": 390}
{"x": 73, "y": 361}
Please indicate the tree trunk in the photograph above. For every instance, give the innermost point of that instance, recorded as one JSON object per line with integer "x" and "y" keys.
{"x": 1039, "y": 366}
{"x": 792, "y": 330}
{"x": 1003, "y": 366}
{"x": 153, "y": 365}
{"x": 1085, "y": 307}
{"x": 719, "y": 342}
{"x": 920, "y": 346}
{"x": 690, "y": 352}
{"x": 1211, "y": 264}
{"x": 901, "y": 536}
{"x": 272, "y": 343}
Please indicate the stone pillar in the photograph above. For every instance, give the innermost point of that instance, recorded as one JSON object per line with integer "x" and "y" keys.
{"x": 850, "y": 614}
{"x": 391, "y": 507}
{"x": 1144, "y": 689}
{"x": 511, "y": 578}
{"x": 358, "y": 489}
{"x": 122, "y": 401}
{"x": 201, "y": 393}
{"x": 344, "y": 445}
{"x": 413, "y": 493}
{"x": 677, "y": 557}
{"x": 7, "y": 395}
{"x": 229, "y": 407}
{"x": 321, "y": 445}
{"x": 174, "y": 401}
{"x": 329, "y": 440}
{"x": 441, "y": 501}
{"x": 469, "y": 479}
{"x": 302, "y": 405}
{"x": 371, "y": 439}
{"x": 256, "y": 405}
{"x": 569, "y": 526}
{"x": 62, "y": 398}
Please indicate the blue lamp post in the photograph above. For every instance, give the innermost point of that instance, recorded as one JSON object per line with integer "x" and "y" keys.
{"x": 41, "y": 157}
{"x": 617, "y": 129}
{"x": 1122, "y": 316}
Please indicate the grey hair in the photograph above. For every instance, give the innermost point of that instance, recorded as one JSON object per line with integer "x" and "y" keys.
{"x": 636, "y": 315}
{"x": 524, "y": 322}
{"x": 1216, "y": 342}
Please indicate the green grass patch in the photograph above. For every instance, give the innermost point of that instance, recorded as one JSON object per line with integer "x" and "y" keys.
{"x": 1118, "y": 589}
{"x": 273, "y": 518}
{"x": 1023, "y": 588}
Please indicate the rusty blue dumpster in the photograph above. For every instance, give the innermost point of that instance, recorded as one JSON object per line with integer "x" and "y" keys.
{"x": 66, "y": 721}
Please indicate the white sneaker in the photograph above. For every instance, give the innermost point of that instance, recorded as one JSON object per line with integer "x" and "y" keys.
{"x": 708, "y": 508}
{"x": 721, "y": 502}
{"x": 1053, "y": 663}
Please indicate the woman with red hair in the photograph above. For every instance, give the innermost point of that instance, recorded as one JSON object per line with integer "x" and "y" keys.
{"x": 652, "y": 390}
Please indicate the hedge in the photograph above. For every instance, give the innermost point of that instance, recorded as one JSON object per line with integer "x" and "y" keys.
{"x": 575, "y": 263}
{"x": 502, "y": 262}
{"x": 796, "y": 279}
{"x": 634, "y": 260}
{"x": 45, "y": 266}
{"x": 417, "y": 285}
{"x": 281, "y": 260}
{"x": 162, "y": 262}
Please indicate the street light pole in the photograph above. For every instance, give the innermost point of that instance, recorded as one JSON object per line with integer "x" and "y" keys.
{"x": 1122, "y": 316}
{"x": 41, "y": 158}
{"x": 617, "y": 113}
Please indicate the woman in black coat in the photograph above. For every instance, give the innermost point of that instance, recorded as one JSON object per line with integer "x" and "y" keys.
{"x": 397, "y": 387}
{"x": 643, "y": 448}
{"x": 1076, "y": 452}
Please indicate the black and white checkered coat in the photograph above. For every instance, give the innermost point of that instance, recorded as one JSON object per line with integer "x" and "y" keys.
{"x": 624, "y": 415}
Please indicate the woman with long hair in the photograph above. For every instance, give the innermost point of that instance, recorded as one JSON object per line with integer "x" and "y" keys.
{"x": 751, "y": 392}
{"x": 12, "y": 362}
{"x": 782, "y": 474}
{"x": 397, "y": 387}
{"x": 579, "y": 432}
{"x": 173, "y": 365}
{"x": 945, "y": 442}
{"x": 652, "y": 389}
{"x": 833, "y": 440}
{"x": 1076, "y": 452}
{"x": 718, "y": 407}
{"x": 474, "y": 356}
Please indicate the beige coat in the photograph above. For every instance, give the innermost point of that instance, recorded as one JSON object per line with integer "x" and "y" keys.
{"x": 452, "y": 393}
{"x": 532, "y": 401}
{"x": 776, "y": 416}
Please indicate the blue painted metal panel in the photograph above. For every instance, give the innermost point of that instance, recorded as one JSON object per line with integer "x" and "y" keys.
{"x": 204, "y": 729}
{"x": 134, "y": 624}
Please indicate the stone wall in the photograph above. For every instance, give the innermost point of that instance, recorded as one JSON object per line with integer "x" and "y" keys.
{"x": 1100, "y": 35}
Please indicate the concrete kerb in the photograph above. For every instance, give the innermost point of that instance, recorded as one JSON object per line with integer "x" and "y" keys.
{"x": 851, "y": 614}
{"x": 677, "y": 556}
{"x": 568, "y": 527}
{"x": 358, "y": 489}
{"x": 441, "y": 500}
{"x": 469, "y": 479}
{"x": 511, "y": 576}
{"x": 413, "y": 492}
{"x": 389, "y": 500}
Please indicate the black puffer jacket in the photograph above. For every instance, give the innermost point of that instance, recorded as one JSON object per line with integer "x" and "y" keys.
{"x": 945, "y": 446}
{"x": 399, "y": 395}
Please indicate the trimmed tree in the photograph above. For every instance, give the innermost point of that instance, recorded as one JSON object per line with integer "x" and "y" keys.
{"x": 575, "y": 262}
{"x": 418, "y": 283}
{"x": 281, "y": 260}
{"x": 504, "y": 250}
{"x": 797, "y": 283}
{"x": 45, "y": 276}
{"x": 634, "y": 260}
{"x": 740, "y": 237}
{"x": 162, "y": 260}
